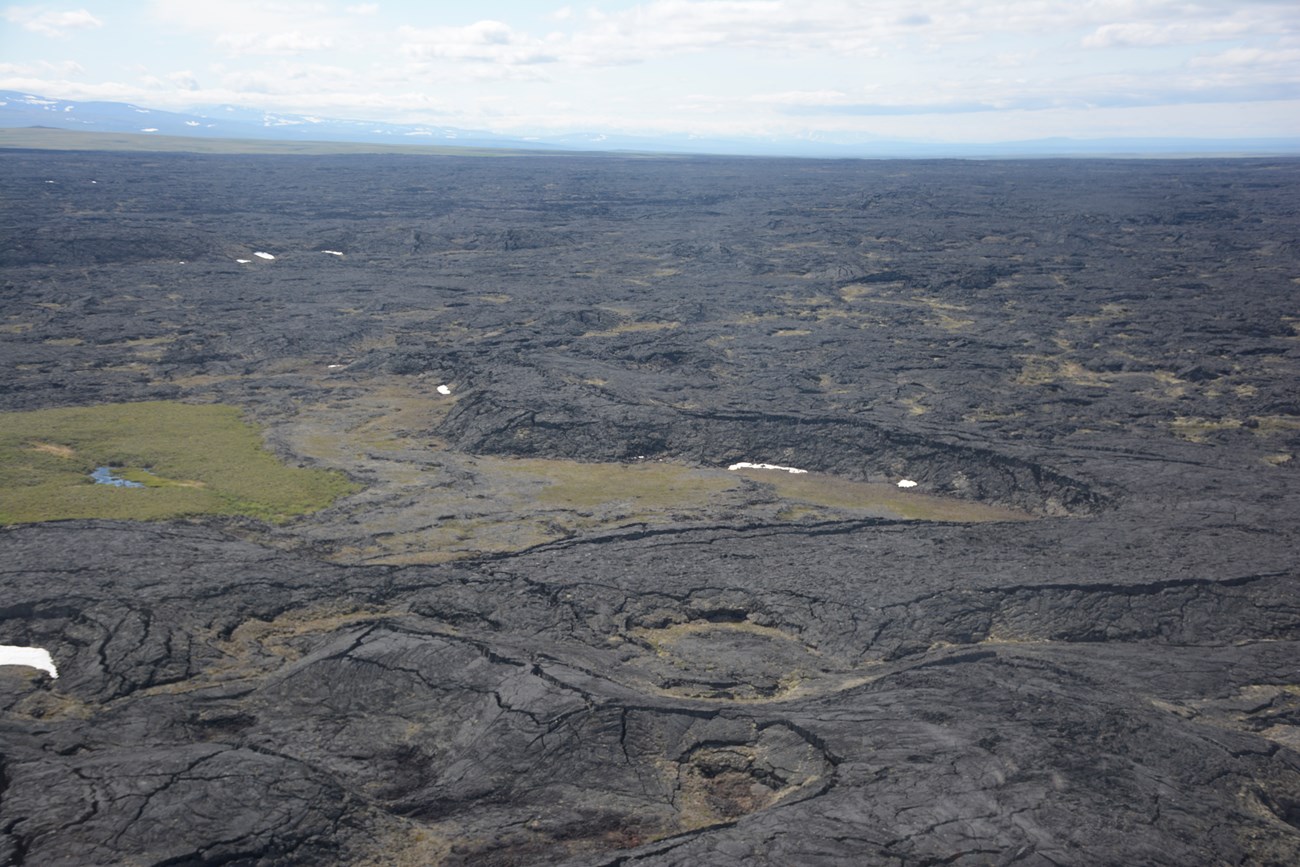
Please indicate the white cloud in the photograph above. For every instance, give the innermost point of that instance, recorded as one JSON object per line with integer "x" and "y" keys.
{"x": 669, "y": 27}
{"x": 1167, "y": 22}
{"x": 280, "y": 43}
{"x": 66, "y": 68}
{"x": 1015, "y": 59}
{"x": 790, "y": 27}
{"x": 184, "y": 79}
{"x": 48, "y": 23}
{"x": 111, "y": 91}
{"x": 1252, "y": 58}
{"x": 289, "y": 78}
{"x": 255, "y": 15}
{"x": 265, "y": 27}
{"x": 804, "y": 97}
{"x": 483, "y": 41}
{"x": 1146, "y": 34}
{"x": 739, "y": 66}
{"x": 856, "y": 28}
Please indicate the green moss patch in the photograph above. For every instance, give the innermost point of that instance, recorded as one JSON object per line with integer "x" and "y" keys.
{"x": 878, "y": 499}
{"x": 192, "y": 460}
{"x": 652, "y": 486}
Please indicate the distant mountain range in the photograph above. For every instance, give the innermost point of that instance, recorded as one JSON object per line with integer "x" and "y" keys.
{"x": 232, "y": 122}
{"x": 226, "y": 121}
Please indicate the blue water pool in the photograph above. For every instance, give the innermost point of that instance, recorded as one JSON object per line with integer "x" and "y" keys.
{"x": 104, "y": 476}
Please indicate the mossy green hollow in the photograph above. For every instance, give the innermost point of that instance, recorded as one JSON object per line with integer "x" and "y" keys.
{"x": 192, "y": 459}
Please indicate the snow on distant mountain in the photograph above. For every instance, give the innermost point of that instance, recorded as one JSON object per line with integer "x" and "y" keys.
{"x": 228, "y": 121}
{"x": 25, "y": 110}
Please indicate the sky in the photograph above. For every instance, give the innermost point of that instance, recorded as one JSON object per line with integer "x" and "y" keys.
{"x": 830, "y": 70}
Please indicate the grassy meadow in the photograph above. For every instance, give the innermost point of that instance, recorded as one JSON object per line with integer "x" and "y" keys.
{"x": 191, "y": 459}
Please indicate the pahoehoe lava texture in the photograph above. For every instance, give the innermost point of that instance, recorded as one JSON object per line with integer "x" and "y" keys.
{"x": 1110, "y": 347}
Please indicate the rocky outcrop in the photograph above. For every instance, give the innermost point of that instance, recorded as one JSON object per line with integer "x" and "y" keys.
{"x": 844, "y": 447}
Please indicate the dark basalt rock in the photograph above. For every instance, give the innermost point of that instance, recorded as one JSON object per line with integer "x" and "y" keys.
{"x": 1110, "y": 346}
{"x": 845, "y": 447}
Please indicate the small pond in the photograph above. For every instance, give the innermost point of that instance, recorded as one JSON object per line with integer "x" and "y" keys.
{"x": 104, "y": 476}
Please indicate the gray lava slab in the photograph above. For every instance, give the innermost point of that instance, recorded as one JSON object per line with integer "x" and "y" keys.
{"x": 1110, "y": 346}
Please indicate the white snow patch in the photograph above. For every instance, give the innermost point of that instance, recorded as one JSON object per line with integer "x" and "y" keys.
{"x": 49, "y": 182}
{"x": 333, "y": 252}
{"x": 263, "y": 255}
{"x": 746, "y": 465}
{"x": 32, "y": 657}
{"x": 150, "y": 129}
{"x": 906, "y": 483}
{"x": 334, "y": 366}
{"x": 444, "y": 389}
{"x": 69, "y": 107}
{"x": 192, "y": 123}
{"x": 243, "y": 261}
{"x": 94, "y": 182}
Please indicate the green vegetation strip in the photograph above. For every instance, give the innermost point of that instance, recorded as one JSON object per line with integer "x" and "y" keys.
{"x": 879, "y": 499}
{"x": 192, "y": 460}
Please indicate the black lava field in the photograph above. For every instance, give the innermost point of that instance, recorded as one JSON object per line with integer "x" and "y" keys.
{"x": 549, "y": 626}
